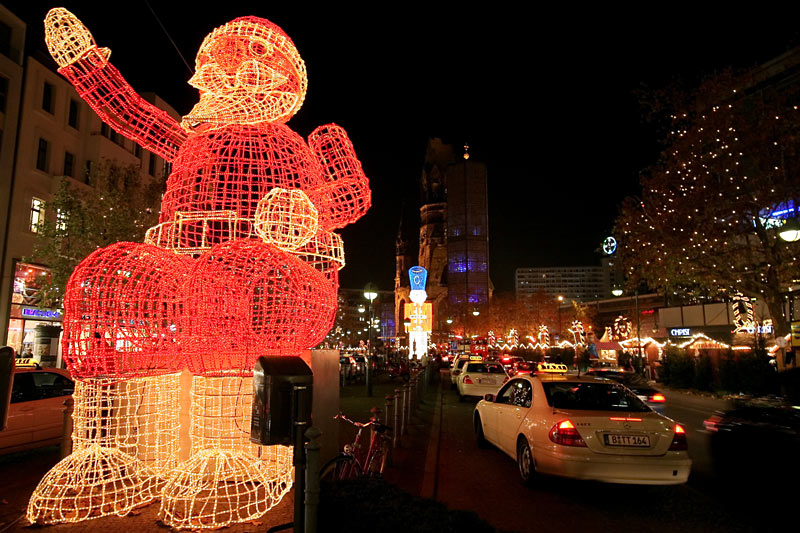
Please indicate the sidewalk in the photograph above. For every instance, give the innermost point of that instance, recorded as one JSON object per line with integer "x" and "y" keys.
{"x": 22, "y": 471}
{"x": 407, "y": 467}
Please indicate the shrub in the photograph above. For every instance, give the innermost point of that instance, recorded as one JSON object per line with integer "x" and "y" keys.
{"x": 678, "y": 368}
{"x": 754, "y": 373}
{"x": 561, "y": 355}
{"x": 703, "y": 373}
{"x": 374, "y": 505}
{"x": 727, "y": 372}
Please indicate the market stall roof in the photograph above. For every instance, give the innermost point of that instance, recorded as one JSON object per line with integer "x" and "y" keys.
{"x": 608, "y": 345}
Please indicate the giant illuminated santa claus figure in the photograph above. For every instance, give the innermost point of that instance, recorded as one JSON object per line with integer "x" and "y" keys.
{"x": 243, "y": 263}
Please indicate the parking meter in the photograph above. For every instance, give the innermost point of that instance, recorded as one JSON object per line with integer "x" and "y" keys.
{"x": 282, "y": 395}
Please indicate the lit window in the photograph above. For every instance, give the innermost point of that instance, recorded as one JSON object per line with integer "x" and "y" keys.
{"x": 37, "y": 214}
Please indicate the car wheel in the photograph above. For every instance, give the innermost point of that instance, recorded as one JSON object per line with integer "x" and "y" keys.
{"x": 525, "y": 461}
{"x": 461, "y": 397}
{"x": 480, "y": 439}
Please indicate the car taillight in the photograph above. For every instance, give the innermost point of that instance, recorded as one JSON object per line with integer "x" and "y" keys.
{"x": 679, "y": 439}
{"x": 467, "y": 381}
{"x": 712, "y": 423}
{"x": 564, "y": 433}
{"x": 657, "y": 398}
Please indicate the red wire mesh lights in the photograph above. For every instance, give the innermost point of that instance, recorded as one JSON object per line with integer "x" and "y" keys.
{"x": 243, "y": 263}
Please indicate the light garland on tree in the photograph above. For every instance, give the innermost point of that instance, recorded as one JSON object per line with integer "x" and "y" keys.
{"x": 243, "y": 263}
{"x": 622, "y": 328}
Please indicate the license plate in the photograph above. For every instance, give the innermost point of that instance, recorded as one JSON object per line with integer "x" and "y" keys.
{"x": 635, "y": 441}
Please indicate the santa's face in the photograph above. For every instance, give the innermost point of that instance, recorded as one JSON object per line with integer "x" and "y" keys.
{"x": 248, "y": 71}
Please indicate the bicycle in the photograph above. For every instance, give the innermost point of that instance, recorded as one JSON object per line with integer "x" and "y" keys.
{"x": 350, "y": 463}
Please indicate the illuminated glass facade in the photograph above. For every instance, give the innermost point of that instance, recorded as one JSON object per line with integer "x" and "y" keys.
{"x": 467, "y": 235}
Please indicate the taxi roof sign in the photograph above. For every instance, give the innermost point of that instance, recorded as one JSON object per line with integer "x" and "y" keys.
{"x": 476, "y": 358}
{"x": 552, "y": 368}
{"x": 26, "y": 362}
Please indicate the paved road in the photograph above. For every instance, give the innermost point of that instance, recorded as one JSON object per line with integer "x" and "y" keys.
{"x": 486, "y": 481}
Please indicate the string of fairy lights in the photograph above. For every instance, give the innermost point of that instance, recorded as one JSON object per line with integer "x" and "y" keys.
{"x": 702, "y": 219}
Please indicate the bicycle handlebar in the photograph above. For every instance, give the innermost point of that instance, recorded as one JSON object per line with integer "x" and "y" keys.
{"x": 372, "y": 422}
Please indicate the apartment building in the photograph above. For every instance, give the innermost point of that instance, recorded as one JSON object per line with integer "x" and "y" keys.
{"x": 47, "y": 135}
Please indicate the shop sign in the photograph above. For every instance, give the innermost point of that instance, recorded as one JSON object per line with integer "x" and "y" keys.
{"x": 41, "y": 314}
{"x": 764, "y": 330}
{"x": 680, "y": 332}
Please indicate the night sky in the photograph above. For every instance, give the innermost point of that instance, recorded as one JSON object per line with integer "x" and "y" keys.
{"x": 545, "y": 100}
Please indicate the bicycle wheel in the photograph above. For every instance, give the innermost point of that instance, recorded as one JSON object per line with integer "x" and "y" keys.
{"x": 378, "y": 460}
{"x": 339, "y": 468}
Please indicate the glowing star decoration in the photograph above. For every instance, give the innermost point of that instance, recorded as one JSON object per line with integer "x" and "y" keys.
{"x": 544, "y": 335}
{"x": 243, "y": 262}
{"x": 578, "y": 334}
{"x": 513, "y": 337}
{"x": 622, "y": 328}
{"x": 744, "y": 320}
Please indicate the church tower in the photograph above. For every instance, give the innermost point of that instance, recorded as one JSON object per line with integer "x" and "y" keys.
{"x": 403, "y": 261}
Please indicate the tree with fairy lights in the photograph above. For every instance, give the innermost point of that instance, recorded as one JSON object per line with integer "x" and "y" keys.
{"x": 728, "y": 176}
{"x": 113, "y": 206}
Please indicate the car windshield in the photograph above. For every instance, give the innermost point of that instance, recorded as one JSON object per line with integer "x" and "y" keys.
{"x": 484, "y": 368}
{"x": 586, "y": 396}
{"x": 635, "y": 380}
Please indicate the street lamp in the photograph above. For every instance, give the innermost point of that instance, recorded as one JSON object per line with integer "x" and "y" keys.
{"x": 790, "y": 231}
{"x": 616, "y": 291}
{"x": 370, "y": 293}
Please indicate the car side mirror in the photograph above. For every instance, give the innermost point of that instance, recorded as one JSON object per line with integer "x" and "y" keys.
{"x": 488, "y": 397}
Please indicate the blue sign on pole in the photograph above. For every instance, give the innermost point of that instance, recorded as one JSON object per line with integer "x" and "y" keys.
{"x": 418, "y": 277}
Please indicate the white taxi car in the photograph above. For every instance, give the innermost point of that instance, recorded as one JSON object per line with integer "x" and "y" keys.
{"x": 458, "y": 366}
{"x": 584, "y": 428}
{"x": 478, "y": 378}
{"x": 36, "y": 413}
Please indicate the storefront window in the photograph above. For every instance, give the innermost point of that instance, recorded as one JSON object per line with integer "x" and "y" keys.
{"x": 26, "y": 316}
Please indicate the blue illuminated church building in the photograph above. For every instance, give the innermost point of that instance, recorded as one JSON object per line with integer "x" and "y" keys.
{"x": 453, "y": 238}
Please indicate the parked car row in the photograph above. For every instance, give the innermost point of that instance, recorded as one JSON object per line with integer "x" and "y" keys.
{"x": 352, "y": 367}
{"x": 36, "y": 412}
